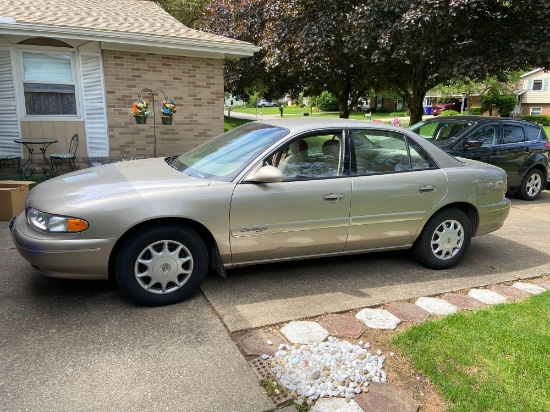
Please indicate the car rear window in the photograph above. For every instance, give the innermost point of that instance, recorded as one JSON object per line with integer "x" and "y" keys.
{"x": 532, "y": 132}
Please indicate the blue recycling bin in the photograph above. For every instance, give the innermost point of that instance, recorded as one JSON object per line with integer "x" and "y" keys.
{"x": 428, "y": 109}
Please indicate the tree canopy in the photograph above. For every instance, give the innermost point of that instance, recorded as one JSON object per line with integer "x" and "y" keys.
{"x": 351, "y": 46}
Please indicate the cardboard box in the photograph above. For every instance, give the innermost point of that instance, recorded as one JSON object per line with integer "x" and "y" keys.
{"x": 13, "y": 194}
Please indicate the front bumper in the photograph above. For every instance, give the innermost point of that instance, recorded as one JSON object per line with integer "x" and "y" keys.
{"x": 62, "y": 255}
{"x": 492, "y": 216}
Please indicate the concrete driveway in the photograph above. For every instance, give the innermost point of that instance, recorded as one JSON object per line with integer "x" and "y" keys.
{"x": 78, "y": 345}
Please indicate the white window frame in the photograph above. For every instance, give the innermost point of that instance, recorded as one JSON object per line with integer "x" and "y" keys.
{"x": 532, "y": 109}
{"x": 21, "y": 80}
{"x": 428, "y": 101}
{"x": 537, "y": 81}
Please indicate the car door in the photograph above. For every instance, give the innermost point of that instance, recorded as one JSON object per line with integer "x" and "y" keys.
{"x": 305, "y": 214}
{"x": 395, "y": 186}
{"x": 491, "y": 149}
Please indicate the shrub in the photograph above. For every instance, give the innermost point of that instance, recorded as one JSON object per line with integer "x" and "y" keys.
{"x": 540, "y": 119}
{"x": 474, "y": 110}
{"x": 398, "y": 114}
{"x": 327, "y": 102}
{"x": 449, "y": 113}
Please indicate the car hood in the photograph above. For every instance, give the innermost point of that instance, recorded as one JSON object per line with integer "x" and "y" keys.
{"x": 122, "y": 179}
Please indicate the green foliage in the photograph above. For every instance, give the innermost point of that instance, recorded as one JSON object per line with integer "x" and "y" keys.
{"x": 449, "y": 113}
{"x": 540, "y": 119}
{"x": 506, "y": 104}
{"x": 398, "y": 114}
{"x": 475, "y": 110}
{"x": 327, "y": 102}
{"x": 189, "y": 12}
{"x": 490, "y": 360}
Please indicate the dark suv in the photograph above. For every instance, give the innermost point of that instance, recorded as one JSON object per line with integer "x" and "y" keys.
{"x": 520, "y": 148}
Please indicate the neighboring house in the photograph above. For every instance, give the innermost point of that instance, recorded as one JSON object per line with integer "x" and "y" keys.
{"x": 71, "y": 66}
{"x": 534, "y": 98}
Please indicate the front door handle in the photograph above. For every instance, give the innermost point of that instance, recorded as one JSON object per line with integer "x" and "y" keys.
{"x": 426, "y": 189}
{"x": 333, "y": 197}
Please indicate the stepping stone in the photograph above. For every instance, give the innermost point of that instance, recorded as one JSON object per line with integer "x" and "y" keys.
{"x": 510, "y": 292}
{"x": 543, "y": 283}
{"x": 255, "y": 342}
{"x": 463, "y": 302}
{"x": 436, "y": 306}
{"x": 378, "y": 318}
{"x": 487, "y": 296}
{"x": 385, "y": 397}
{"x": 529, "y": 287}
{"x": 335, "y": 405}
{"x": 304, "y": 332}
{"x": 407, "y": 312}
{"x": 344, "y": 326}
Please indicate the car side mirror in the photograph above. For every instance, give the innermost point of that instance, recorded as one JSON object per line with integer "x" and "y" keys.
{"x": 267, "y": 174}
{"x": 472, "y": 144}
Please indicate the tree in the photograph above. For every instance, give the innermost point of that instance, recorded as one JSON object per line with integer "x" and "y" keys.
{"x": 415, "y": 46}
{"x": 189, "y": 12}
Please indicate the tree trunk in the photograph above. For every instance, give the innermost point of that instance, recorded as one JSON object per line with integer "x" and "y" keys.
{"x": 417, "y": 111}
{"x": 344, "y": 109}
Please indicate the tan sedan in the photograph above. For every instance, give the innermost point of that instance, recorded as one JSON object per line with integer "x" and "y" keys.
{"x": 263, "y": 192}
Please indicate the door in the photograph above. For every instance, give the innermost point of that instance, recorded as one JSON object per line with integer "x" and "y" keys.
{"x": 396, "y": 185}
{"x": 305, "y": 214}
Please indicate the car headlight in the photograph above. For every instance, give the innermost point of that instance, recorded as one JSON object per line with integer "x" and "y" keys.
{"x": 47, "y": 222}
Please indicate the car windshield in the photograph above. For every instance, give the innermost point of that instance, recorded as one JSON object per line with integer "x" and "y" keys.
{"x": 441, "y": 131}
{"x": 225, "y": 156}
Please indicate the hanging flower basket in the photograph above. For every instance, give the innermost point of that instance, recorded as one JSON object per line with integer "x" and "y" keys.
{"x": 167, "y": 111}
{"x": 141, "y": 119}
{"x": 166, "y": 120}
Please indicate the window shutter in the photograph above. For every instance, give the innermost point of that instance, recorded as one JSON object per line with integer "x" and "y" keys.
{"x": 544, "y": 84}
{"x": 95, "y": 108}
{"x": 9, "y": 123}
{"x": 530, "y": 85}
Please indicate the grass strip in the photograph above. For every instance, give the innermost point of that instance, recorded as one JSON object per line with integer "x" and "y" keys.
{"x": 495, "y": 359}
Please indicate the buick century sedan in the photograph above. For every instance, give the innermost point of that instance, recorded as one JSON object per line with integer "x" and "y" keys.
{"x": 263, "y": 192}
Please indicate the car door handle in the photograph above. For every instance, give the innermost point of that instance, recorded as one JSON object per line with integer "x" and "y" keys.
{"x": 333, "y": 197}
{"x": 426, "y": 189}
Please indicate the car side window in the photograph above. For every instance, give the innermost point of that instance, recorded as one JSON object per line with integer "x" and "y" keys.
{"x": 313, "y": 157}
{"x": 420, "y": 159}
{"x": 512, "y": 134}
{"x": 532, "y": 132}
{"x": 380, "y": 151}
{"x": 487, "y": 134}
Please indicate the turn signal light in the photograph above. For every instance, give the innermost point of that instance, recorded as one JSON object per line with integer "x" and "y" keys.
{"x": 76, "y": 225}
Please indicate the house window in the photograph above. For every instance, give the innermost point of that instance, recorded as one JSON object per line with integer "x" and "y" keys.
{"x": 537, "y": 85}
{"x": 428, "y": 101}
{"x": 48, "y": 84}
{"x": 536, "y": 111}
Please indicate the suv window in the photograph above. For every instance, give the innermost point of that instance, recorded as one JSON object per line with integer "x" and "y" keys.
{"x": 512, "y": 134}
{"x": 532, "y": 132}
{"x": 487, "y": 134}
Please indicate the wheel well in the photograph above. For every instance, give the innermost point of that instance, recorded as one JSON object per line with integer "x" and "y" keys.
{"x": 542, "y": 170}
{"x": 469, "y": 210}
{"x": 201, "y": 230}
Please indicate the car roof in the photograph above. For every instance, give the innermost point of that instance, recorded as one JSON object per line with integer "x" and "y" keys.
{"x": 306, "y": 122}
{"x": 479, "y": 119}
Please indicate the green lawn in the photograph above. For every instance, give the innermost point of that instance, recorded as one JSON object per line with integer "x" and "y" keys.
{"x": 232, "y": 122}
{"x": 496, "y": 359}
{"x": 547, "y": 130}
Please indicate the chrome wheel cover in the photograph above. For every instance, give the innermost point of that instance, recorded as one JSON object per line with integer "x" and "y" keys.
{"x": 447, "y": 240}
{"x": 533, "y": 185}
{"x": 163, "y": 267}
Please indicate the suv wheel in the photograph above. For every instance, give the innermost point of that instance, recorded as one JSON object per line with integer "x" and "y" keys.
{"x": 532, "y": 185}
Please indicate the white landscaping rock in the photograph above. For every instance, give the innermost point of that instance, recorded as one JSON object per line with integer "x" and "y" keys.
{"x": 304, "y": 332}
{"x": 529, "y": 287}
{"x": 378, "y": 319}
{"x": 487, "y": 296}
{"x": 336, "y": 405}
{"x": 436, "y": 306}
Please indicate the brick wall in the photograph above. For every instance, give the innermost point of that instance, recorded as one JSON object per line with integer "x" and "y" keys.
{"x": 195, "y": 84}
{"x": 526, "y": 108}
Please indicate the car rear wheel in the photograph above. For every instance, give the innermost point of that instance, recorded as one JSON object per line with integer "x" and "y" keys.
{"x": 444, "y": 240}
{"x": 161, "y": 265}
{"x": 532, "y": 185}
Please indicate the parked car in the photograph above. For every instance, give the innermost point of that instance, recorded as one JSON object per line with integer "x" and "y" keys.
{"x": 452, "y": 104}
{"x": 520, "y": 148}
{"x": 263, "y": 192}
{"x": 265, "y": 103}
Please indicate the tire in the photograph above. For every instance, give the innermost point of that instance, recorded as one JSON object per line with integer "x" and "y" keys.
{"x": 174, "y": 277}
{"x": 450, "y": 228}
{"x": 262, "y": 105}
{"x": 531, "y": 185}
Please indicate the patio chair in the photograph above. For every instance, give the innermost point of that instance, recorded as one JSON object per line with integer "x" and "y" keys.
{"x": 58, "y": 158}
{"x": 14, "y": 159}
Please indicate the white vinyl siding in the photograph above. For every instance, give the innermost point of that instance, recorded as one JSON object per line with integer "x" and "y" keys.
{"x": 537, "y": 89}
{"x": 9, "y": 123}
{"x": 95, "y": 111}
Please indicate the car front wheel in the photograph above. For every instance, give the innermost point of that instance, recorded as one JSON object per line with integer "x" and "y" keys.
{"x": 161, "y": 265}
{"x": 444, "y": 240}
{"x": 532, "y": 185}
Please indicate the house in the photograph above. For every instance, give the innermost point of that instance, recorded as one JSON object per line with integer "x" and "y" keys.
{"x": 71, "y": 66}
{"x": 534, "y": 96}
